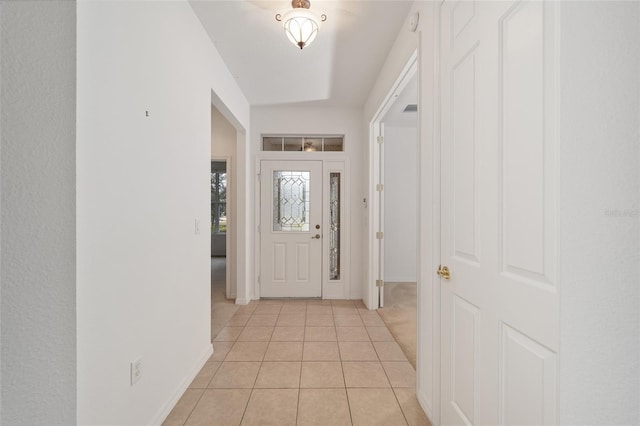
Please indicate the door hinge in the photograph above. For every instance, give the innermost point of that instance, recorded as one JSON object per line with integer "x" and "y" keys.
{"x": 258, "y": 279}
{"x": 379, "y": 187}
{"x": 379, "y": 235}
{"x": 380, "y": 139}
{"x": 379, "y": 283}
{"x": 259, "y": 229}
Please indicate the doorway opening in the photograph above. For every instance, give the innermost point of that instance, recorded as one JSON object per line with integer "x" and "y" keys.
{"x": 224, "y": 142}
{"x": 394, "y": 196}
{"x": 394, "y": 192}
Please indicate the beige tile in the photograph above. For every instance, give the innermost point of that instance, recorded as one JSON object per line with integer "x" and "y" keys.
{"x": 360, "y": 304}
{"x": 256, "y": 334}
{"x": 291, "y": 320}
{"x": 228, "y": 334}
{"x": 411, "y": 407}
{"x": 371, "y": 319}
{"x": 268, "y": 309}
{"x": 371, "y": 407}
{"x": 220, "y": 407}
{"x": 322, "y": 407}
{"x": 220, "y": 350}
{"x": 183, "y": 408}
{"x": 284, "y": 351}
{"x": 320, "y": 334}
{"x": 364, "y": 374}
{"x": 318, "y": 302}
{"x": 400, "y": 373}
{"x": 238, "y": 320}
{"x": 379, "y": 334}
{"x": 247, "y": 351}
{"x": 319, "y": 310}
{"x": 260, "y": 410}
{"x": 263, "y": 320}
{"x": 357, "y": 351}
{"x": 236, "y": 375}
{"x": 322, "y": 374}
{"x": 389, "y": 351}
{"x": 294, "y": 308}
{"x": 278, "y": 302}
{"x": 246, "y": 309}
{"x": 205, "y": 375}
{"x": 345, "y": 310}
{"x": 288, "y": 334}
{"x": 343, "y": 302}
{"x": 352, "y": 334}
{"x": 348, "y": 321}
{"x": 278, "y": 375}
{"x": 320, "y": 351}
{"x": 319, "y": 320}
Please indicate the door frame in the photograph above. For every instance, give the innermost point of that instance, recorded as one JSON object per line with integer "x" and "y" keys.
{"x": 331, "y": 162}
{"x": 373, "y": 295}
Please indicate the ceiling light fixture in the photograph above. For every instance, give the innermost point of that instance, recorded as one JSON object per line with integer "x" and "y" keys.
{"x": 300, "y": 24}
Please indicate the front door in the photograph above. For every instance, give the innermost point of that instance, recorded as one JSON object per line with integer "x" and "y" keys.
{"x": 290, "y": 229}
{"x": 499, "y": 310}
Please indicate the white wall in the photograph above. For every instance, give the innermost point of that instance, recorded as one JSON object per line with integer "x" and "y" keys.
{"x": 223, "y": 145}
{"x": 38, "y": 347}
{"x": 143, "y": 284}
{"x": 599, "y": 201}
{"x": 319, "y": 120}
{"x": 425, "y": 41}
{"x": 403, "y": 48}
{"x": 400, "y": 203}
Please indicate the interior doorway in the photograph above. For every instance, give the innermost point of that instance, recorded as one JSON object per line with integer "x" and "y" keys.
{"x": 223, "y": 200}
{"x": 394, "y": 190}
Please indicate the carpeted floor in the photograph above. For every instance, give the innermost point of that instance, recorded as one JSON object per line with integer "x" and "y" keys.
{"x": 399, "y": 314}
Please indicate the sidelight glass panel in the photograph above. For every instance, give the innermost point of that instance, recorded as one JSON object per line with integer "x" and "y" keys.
{"x": 334, "y": 226}
{"x": 291, "y": 201}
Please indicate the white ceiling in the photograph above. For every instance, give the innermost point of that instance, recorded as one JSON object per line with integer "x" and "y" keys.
{"x": 337, "y": 69}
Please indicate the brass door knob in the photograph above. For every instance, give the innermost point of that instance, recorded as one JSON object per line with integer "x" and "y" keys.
{"x": 443, "y": 272}
{"x": 317, "y": 237}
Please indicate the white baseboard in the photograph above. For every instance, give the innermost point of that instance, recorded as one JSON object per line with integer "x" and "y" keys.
{"x": 242, "y": 301}
{"x": 166, "y": 408}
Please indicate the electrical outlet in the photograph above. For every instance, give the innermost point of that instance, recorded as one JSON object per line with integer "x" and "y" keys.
{"x": 136, "y": 371}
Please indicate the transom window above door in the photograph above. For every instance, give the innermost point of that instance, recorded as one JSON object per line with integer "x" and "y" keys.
{"x": 303, "y": 143}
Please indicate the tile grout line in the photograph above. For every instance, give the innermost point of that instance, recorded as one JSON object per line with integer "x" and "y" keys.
{"x": 344, "y": 379}
{"x": 359, "y": 312}
{"x": 194, "y": 407}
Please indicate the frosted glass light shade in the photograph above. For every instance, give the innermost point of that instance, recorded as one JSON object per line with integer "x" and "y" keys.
{"x": 301, "y": 26}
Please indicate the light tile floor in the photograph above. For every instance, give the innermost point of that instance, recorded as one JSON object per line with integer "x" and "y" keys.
{"x": 296, "y": 362}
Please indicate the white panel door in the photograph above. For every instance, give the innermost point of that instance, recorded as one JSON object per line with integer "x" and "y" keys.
{"x": 499, "y": 306}
{"x": 290, "y": 229}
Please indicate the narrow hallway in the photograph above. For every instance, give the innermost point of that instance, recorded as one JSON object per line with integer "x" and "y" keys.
{"x": 301, "y": 362}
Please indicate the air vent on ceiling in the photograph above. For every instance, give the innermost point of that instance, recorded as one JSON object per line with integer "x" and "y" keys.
{"x": 410, "y": 108}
